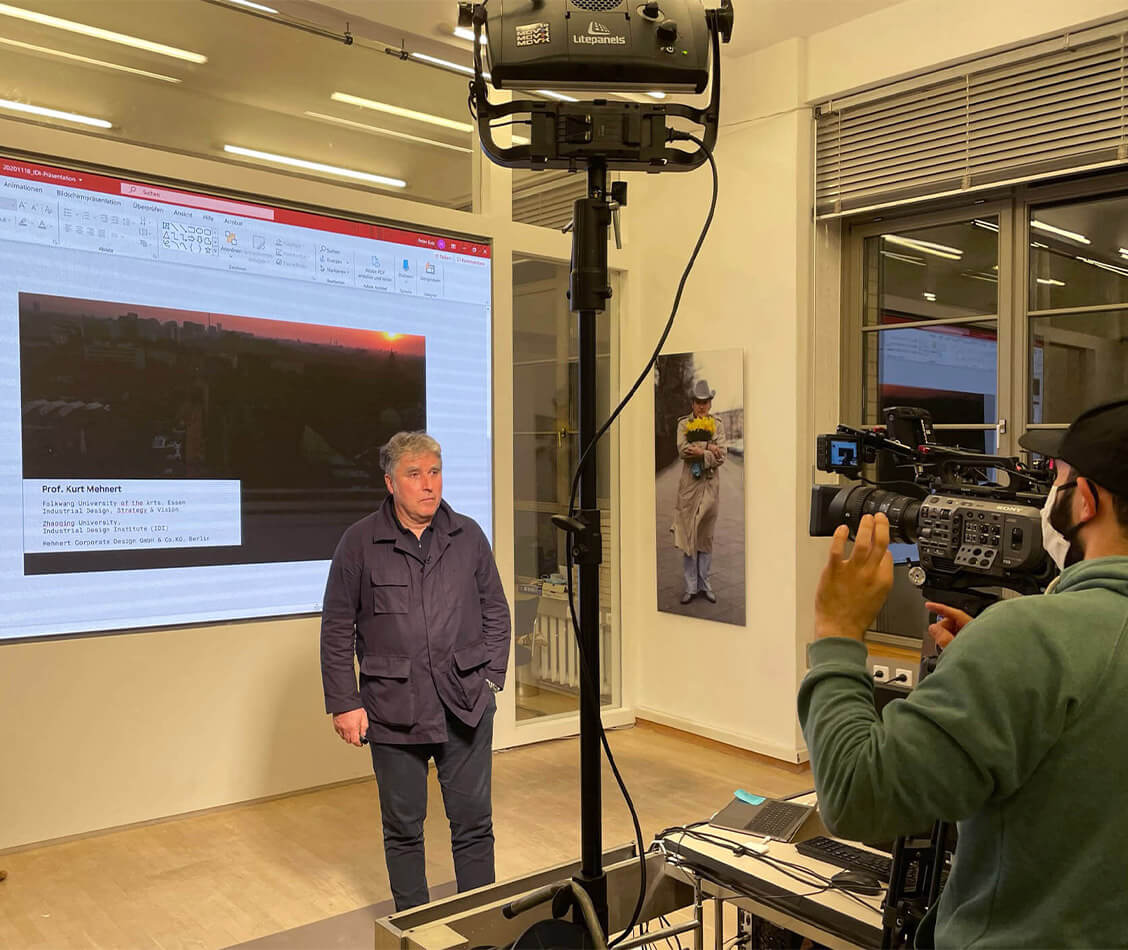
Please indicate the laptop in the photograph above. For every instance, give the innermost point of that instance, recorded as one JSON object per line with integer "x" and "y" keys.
{"x": 764, "y": 817}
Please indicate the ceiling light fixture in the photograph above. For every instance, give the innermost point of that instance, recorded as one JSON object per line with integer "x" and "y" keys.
{"x": 925, "y": 247}
{"x": 254, "y": 6}
{"x": 1061, "y": 232}
{"x": 656, "y": 94}
{"x": 1050, "y": 282}
{"x": 315, "y": 166}
{"x": 555, "y": 95}
{"x": 32, "y": 16}
{"x": 931, "y": 298}
{"x": 465, "y": 33}
{"x": 986, "y": 225}
{"x": 1103, "y": 266}
{"x": 377, "y": 130}
{"x": 904, "y": 258}
{"x": 6, "y": 41}
{"x": 54, "y": 114}
{"x": 1123, "y": 251}
{"x": 401, "y": 112}
{"x": 982, "y": 275}
{"x": 1044, "y": 247}
{"x": 445, "y": 64}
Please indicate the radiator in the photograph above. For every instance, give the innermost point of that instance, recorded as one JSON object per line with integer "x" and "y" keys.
{"x": 556, "y": 658}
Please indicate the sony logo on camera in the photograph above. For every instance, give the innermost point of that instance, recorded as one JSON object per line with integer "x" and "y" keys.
{"x": 598, "y": 35}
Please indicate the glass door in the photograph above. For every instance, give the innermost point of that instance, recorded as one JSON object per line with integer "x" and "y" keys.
{"x": 545, "y": 453}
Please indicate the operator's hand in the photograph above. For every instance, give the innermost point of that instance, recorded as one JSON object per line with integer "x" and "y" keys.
{"x": 851, "y": 591}
{"x": 952, "y": 621}
{"x": 351, "y": 725}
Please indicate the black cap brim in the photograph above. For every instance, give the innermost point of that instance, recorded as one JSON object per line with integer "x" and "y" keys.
{"x": 1045, "y": 442}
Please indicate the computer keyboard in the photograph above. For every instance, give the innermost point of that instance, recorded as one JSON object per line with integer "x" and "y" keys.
{"x": 846, "y": 856}
{"x": 777, "y": 820}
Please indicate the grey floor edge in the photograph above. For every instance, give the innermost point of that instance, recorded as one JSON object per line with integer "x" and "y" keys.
{"x": 351, "y": 930}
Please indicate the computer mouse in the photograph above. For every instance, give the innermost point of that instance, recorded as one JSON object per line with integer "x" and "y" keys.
{"x": 861, "y": 882}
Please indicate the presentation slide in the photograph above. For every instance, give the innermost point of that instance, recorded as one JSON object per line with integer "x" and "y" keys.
{"x": 197, "y": 390}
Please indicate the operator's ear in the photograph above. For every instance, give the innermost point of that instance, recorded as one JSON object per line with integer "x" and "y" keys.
{"x": 1088, "y": 492}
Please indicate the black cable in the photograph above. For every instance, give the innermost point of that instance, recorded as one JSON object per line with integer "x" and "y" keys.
{"x": 739, "y": 850}
{"x": 786, "y": 895}
{"x": 787, "y": 868}
{"x": 676, "y": 938}
{"x": 669, "y": 323}
{"x": 585, "y": 665}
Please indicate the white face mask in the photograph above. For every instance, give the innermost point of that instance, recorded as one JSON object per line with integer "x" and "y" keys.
{"x": 1056, "y": 544}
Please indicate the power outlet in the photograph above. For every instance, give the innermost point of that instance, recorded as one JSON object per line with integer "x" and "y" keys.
{"x": 880, "y": 673}
{"x": 908, "y": 674}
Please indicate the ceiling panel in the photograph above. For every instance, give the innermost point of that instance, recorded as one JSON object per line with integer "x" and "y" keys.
{"x": 260, "y": 81}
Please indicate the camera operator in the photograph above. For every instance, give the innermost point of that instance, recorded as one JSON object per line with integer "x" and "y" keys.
{"x": 1019, "y": 735}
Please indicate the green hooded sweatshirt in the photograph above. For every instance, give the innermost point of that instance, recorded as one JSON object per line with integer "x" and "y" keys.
{"x": 1020, "y": 736}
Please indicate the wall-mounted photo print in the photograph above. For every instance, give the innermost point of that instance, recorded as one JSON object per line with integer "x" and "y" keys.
{"x": 699, "y": 474}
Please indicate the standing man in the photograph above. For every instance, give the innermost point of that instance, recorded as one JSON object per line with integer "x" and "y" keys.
{"x": 414, "y": 591}
{"x": 701, "y": 447}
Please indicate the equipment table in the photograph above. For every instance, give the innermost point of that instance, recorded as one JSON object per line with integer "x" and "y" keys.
{"x": 831, "y": 918}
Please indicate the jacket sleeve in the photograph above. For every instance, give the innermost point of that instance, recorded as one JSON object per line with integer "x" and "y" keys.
{"x": 684, "y": 446}
{"x": 495, "y": 613}
{"x": 338, "y": 629}
{"x": 716, "y": 459}
{"x": 970, "y": 733}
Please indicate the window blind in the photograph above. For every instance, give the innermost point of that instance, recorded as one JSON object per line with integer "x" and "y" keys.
{"x": 546, "y": 198}
{"x": 1033, "y": 115}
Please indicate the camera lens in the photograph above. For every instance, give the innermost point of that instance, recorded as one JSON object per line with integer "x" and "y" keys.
{"x": 903, "y": 512}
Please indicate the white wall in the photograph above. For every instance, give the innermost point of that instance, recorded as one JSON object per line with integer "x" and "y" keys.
{"x": 769, "y": 282}
{"x": 918, "y": 35}
{"x": 119, "y": 728}
{"x": 750, "y": 289}
{"x": 103, "y": 731}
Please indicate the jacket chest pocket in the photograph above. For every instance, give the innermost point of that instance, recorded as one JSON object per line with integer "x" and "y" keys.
{"x": 391, "y": 591}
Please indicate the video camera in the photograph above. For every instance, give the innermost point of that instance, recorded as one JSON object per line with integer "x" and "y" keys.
{"x": 975, "y": 518}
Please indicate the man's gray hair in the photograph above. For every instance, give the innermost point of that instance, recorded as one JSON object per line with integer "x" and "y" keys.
{"x": 406, "y": 443}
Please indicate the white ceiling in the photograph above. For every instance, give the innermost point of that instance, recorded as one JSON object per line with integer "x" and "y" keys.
{"x": 759, "y": 23}
{"x": 263, "y": 78}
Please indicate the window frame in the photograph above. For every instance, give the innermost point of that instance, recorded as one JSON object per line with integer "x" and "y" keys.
{"x": 1013, "y": 207}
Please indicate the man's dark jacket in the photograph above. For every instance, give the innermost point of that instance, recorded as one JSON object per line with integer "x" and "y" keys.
{"x": 417, "y": 628}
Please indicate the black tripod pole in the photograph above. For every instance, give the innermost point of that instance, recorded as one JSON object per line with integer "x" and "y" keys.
{"x": 589, "y": 291}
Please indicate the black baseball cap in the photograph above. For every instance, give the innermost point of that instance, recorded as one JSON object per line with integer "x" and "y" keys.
{"x": 1096, "y": 444}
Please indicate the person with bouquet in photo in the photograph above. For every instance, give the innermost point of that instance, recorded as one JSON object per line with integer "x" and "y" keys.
{"x": 701, "y": 447}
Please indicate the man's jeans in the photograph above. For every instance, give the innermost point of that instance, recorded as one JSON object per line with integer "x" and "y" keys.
{"x": 463, "y": 763}
{"x": 695, "y": 569}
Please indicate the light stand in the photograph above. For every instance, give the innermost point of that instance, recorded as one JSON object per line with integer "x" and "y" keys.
{"x": 589, "y": 289}
{"x": 595, "y": 137}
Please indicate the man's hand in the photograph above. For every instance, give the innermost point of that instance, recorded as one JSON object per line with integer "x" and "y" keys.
{"x": 351, "y": 725}
{"x": 951, "y": 622}
{"x": 851, "y": 591}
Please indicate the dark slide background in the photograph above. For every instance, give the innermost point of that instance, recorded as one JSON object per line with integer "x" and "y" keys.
{"x": 295, "y": 412}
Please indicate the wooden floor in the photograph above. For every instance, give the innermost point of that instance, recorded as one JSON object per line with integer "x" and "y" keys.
{"x": 229, "y": 876}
